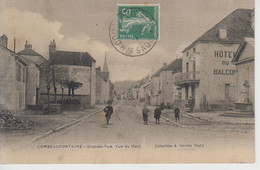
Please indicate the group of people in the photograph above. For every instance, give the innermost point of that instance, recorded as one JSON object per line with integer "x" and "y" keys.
{"x": 157, "y": 114}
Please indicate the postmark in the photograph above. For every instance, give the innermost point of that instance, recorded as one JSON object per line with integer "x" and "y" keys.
{"x": 135, "y": 31}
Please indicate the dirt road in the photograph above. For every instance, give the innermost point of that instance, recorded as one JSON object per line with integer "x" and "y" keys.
{"x": 128, "y": 140}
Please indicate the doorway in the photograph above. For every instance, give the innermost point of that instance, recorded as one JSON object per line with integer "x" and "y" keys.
{"x": 227, "y": 89}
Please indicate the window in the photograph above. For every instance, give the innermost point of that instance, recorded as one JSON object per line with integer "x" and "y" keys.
{"x": 187, "y": 53}
{"x": 194, "y": 49}
{"x": 187, "y": 67}
{"x": 222, "y": 33}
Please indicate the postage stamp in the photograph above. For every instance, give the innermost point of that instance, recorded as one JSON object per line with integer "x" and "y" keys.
{"x": 138, "y": 22}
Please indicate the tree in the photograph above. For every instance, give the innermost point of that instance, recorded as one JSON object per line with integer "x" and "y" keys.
{"x": 45, "y": 70}
{"x": 72, "y": 85}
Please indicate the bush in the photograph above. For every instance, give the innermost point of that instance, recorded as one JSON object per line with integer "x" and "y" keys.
{"x": 10, "y": 122}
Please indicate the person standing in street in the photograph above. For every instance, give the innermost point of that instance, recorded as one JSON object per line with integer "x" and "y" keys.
{"x": 177, "y": 114}
{"x": 109, "y": 111}
{"x": 145, "y": 112}
{"x": 157, "y": 114}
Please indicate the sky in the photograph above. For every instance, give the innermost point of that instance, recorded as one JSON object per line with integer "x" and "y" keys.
{"x": 83, "y": 25}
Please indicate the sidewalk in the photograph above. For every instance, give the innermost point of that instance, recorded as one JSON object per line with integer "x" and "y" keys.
{"x": 216, "y": 117}
{"x": 42, "y": 123}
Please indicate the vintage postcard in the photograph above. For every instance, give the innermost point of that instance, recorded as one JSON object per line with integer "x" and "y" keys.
{"x": 149, "y": 82}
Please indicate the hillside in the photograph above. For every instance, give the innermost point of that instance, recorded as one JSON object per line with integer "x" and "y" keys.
{"x": 121, "y": 86}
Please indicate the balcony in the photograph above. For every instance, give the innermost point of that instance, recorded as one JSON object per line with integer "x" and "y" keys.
{"x": 188, "y": 77}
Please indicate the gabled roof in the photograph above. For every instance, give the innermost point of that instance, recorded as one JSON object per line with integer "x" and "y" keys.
{"x": 157, "y": 73}
{"x": 16, "y": 56}
{"x": 237, "y": 24}
{"x": 71, "y": 58}
{"x": 28, "y": 51}
{"x": 247, "y": 42}
{"x": 175, "y": 66}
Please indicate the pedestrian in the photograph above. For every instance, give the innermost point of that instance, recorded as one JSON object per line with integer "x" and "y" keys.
{"x": 145, "y": 112}
{"x": 191, "y": 104}
{"x": 109, "y": 111}
{"x": 157, "y": 114}
{"x": 177, "y": 114}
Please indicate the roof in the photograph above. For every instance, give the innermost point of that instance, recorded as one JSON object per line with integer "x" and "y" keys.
{"x": 239, "y": 52}
{"x": 237, "y": 24}
{"x": 105, "y": 67}
{"x": 71, "y": 58}
{"x": 29, "y": 52}
{"x": 157, "y": 73}
{"x": 250, "y": 41}
{"x": 175, "y": 66}
{"x": 18, "y": 57}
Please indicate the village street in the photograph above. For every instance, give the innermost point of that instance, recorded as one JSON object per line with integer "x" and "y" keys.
{"x": 91, "y": 140}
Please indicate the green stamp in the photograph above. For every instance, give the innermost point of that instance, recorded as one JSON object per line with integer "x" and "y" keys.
{"x": 138, "y": 22}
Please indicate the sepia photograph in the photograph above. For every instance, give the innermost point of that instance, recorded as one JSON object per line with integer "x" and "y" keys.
{"x": 127, "y": 82}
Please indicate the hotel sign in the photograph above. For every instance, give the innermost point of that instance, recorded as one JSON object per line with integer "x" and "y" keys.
{"x": 222, "y": 54}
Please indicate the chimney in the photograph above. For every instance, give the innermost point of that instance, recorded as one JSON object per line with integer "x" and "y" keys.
{"x": 27, "y": 46}
{"x": 3, "y": 40}
{"x": 222, "y": 33}
{"x": 52, "y": 46}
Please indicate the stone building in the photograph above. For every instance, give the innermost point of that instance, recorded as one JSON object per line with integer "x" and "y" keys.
{"x": 103, "y": 85}
{"x": 244, "y": 61}
{"x": 33, "y": 74}
{"x": 78, "y": 67}
{"x": 209, "y": 76}
{"x": 12, "y": 77}
{"x": 162, "y": 86}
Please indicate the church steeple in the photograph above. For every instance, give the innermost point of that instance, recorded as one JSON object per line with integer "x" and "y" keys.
{"x": 105, "y": 68}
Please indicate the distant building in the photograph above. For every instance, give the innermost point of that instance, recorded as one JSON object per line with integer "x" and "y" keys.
{"x": 78, "y": 67}
{"x": 13, "y": 76}
{"x": 33, "y": 73}
{"x": 209, "y": 76}
{"x": 245, "y": 65}
{"x": 163, "y": 89}
{"x": 103, "y": 83}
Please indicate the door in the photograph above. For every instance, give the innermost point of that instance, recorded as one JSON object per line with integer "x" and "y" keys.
{"x": 193, "y": 93}
{"x": 186, "y": 92}
{"x": 227, "y": 90}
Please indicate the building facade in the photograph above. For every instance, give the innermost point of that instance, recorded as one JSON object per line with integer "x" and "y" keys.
{"x": 162, "y": 88}
{"x": 244, "y": 62}
{"x": 103, "y": 85}
{"x": 13, "y": 71}
{"x": 209, "y": 76}
{"x": 33, "y": 73}
{"x": 77, "y": 67}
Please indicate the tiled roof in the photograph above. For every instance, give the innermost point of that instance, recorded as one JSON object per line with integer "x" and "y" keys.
{"x": 248, "y": 41}
{"x": 29, "y": 52}
{"x": 175, "y": 66}
{"x": 71, "y": 58}
{"x": 237, "y": 24}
